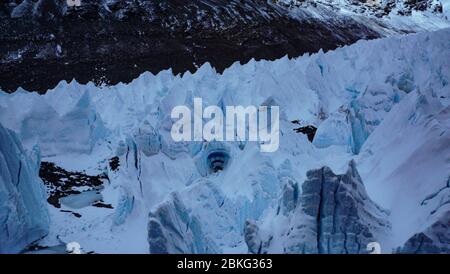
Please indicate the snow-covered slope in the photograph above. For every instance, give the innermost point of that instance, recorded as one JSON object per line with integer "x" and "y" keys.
{"x": 23, "y": 207}
{"x": 383, "y": 103}
{"x": 406, "y": 163}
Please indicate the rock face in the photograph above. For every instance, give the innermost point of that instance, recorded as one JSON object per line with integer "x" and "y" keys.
{"x": 61, "y": 183}
{"x": 333, "y": 214}
{"x": 44, "y": 42}
{"x": 23, "y": 209}
{"x": 378, "y": 8}
{"x": 419, "y": 5}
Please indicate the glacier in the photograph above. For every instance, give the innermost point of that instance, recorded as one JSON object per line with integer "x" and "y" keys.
{"x": 382, "y": 114}
{"x": 23, "y": 207}
{"x": 331, "y": 214}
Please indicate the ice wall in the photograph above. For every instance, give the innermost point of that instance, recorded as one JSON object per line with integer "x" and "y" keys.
{"x": 332, "y": 214}
{"x": 23, "y": 206}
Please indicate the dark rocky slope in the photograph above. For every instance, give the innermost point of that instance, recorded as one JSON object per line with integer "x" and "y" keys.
{"x": 43, "y": 42}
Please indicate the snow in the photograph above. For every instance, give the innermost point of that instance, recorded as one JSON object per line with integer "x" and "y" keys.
{"x": 383, "y": 103}
{"x": 446, "y": 8}
{"x": 77, "y": 201}
{"x": 406, "y": 166}
{"x": 387, "y": 24}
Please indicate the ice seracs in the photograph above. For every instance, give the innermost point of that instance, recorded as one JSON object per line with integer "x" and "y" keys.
{"x": 24, "y": 217}
{"x": 331, "y": 214}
